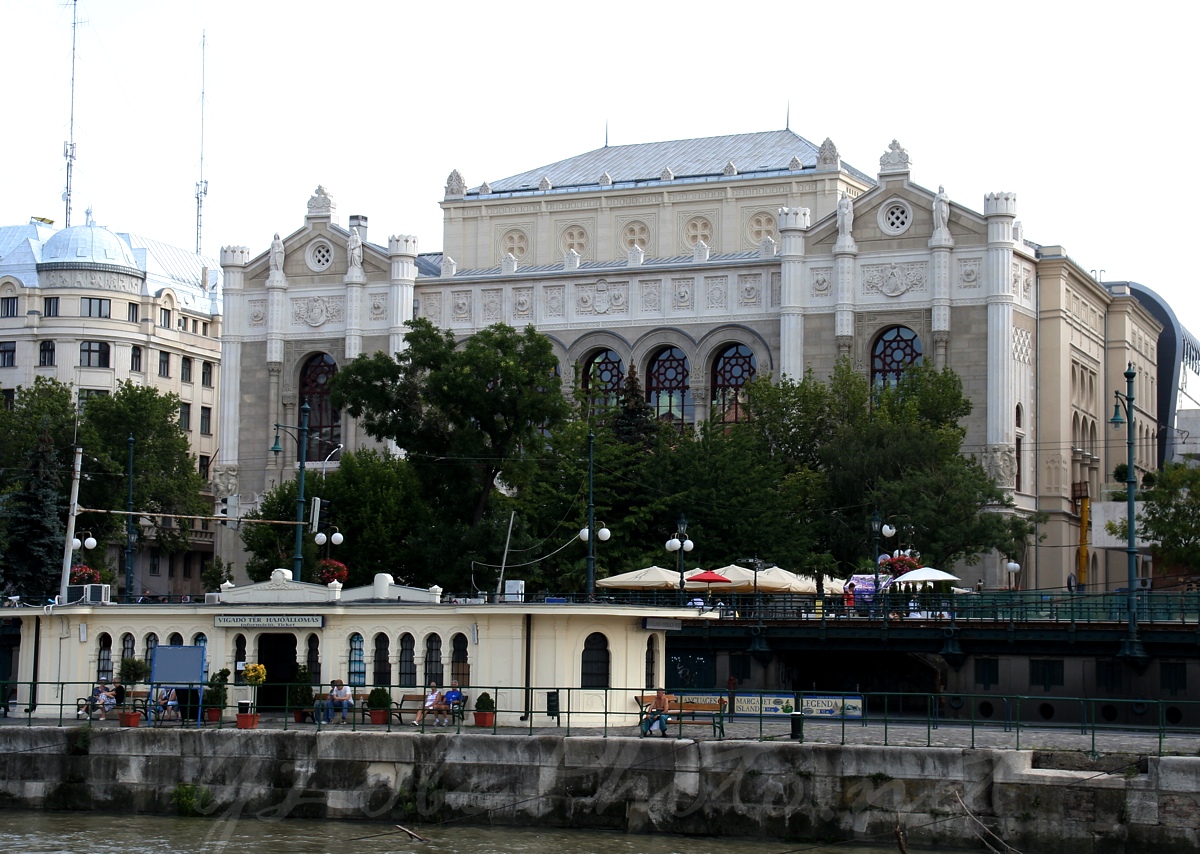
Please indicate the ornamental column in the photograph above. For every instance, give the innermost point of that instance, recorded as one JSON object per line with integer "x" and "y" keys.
{"x": 1000, "y": 209}
{"x": 402, "y": 252}
{"x": 792, "y": 224}
{"x": 845, "y": 265}
{"x": 939, "y": 279}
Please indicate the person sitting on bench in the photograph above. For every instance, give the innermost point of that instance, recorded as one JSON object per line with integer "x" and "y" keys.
{"x": 656, "y": 714}
{"x": 432, "y": 700}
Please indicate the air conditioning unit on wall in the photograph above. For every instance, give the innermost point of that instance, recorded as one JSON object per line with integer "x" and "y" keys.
{"x": 97, "y": 594}
{"x": 1144, "y": 583}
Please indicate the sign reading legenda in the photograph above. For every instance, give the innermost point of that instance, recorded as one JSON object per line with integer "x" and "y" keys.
{"x": 271, "y": 621}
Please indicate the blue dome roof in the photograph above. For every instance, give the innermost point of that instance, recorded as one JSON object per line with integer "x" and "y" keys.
{"x": 88, "y": 246}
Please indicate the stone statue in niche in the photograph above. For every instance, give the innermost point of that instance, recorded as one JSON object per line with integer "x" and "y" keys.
{"x": 845, "y": 215}
{"x": 277, "y": 254}
{"x": 941, "y": 210}
{"x": 354, "y": 250}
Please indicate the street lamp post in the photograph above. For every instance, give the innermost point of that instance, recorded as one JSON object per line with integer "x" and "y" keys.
{"x": 130, "y": 536}
{"x": 876, "y": 526}
{"x": 298, "y": 556}
{"x": 589, "y": 534}
{"x": 680, "y": 544}
{"x": 1132, "y": 647}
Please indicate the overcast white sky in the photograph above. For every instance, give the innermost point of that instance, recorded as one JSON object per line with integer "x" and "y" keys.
{"x": 1085, "y": 110}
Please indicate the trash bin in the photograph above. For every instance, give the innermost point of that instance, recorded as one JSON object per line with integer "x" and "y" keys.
{"x": 245, "y": 707}
{"x": 552, "y": 704}
{"x": 797, "y": 725}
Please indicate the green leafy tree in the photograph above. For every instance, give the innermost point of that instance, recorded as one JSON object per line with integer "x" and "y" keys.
{"x": 35, "y": 516}
{"x": 1170, "y": 517}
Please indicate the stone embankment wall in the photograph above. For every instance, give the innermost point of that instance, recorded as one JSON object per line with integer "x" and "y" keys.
{"x": 777, "y": 790}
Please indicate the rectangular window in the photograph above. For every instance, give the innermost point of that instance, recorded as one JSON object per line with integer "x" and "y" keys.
{"x": 1172, "y": 676}
{"x": 987, "y": 672}
{"x": 183, "y": 324}
{"x": 185, "y": 416}
{"x": 204, "y": 329}
{"x": 1045, "y": 673}
{"x": 8, "y": 306}
{"x": 1108, "y": 676}
{"x": 164, "y": 318}
{"x": 93, "y": 354}
{"x": 133, "y": 314}
{"x": 86, "y": 394}
{"x": 205, "y": 462}
{"x": 195, "y": 326}
{"x": 185, "y": 369}
{"x": 135, "y": 359}
{"x": 155, "y": 565}
{"x": 50, "y": 307}
{"x": 206, "y": 374}
{"x": 92, "y": 307}
{"x": 170, "y": 566}
{"x": 164, "y": 364}
{"x": 45, "y": 354}
{"x": 206, "y": 420}
{"x": 10, "y": 398}
{"x": 1019, "y": 449}
{"x": 8, "y": 354}
{"x": 187, "y": 566}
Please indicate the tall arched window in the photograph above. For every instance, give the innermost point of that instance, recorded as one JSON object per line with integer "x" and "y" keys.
{"x": 603, "y": 376}
{"x": 104, "y": 663}
{"x": 668, "y": 387}
{"x": 732, "y": 369}
{"x": 460, "y": 665}
{"x": 175, "y": 639}
{"x": 324, "y": 422}
{"x": 239, "y": 658}
{"x": 594, "y": 664}
{"x": 201, "y": 640}
{"x": 358, "y": 664}
{"x": 151, "y": 643}
{"x": 382, "y": 671}
{"x": 313, "y": 659}
{"x": 127, "y": 642}
{"x": 408, "y": 661}
{"x": 433, "y": 659}
{"x": 650, "y": 662}
{"x": 895, "y": 349}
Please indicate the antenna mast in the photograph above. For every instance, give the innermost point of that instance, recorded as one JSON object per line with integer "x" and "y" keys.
{"x": 69, "y": 145}
{"x": 201, "y": 185}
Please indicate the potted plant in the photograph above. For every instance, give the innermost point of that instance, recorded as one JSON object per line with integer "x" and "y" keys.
{"x": 330, "y": 570}
{"x": 300, "y": 693}
{"x": 485, "y": 710}
{"x": 253, "y": 675}
{"x": 131, "y": 671}
{"x": 215, "y": 695}
{"x": 379, "y": 705}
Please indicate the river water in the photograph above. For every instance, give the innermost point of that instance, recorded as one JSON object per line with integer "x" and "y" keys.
{"x": 94, "y": 833}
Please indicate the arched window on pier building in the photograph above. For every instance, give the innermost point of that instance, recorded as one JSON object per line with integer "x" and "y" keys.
{"x": 357, "y": 674}
{"x": 460, "y": 665}
{"x": 594, "y": 665}
{"x": 382, "y": 670}
{"x": 408, "y": 661}
{"x": 104, "y": 662}
{"x": 433, "y": 660}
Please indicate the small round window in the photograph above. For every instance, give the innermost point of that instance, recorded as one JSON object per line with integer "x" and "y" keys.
{"x": 319, "y": 256}
{"x": 895, "y": 217}
{"x": 514, "y": 242}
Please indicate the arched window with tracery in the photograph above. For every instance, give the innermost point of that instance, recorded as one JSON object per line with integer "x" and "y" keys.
{"x": 668, "y": 387}
{"x": 358, "y": 662}
{"x": 460, "y": 664}
{"x": 104, "y": 662}
{"x": 324, "y": 422}
{"x": 151, "y": 645}
{"x": 594, "y": 664}
{"x": 127, "y": 643}
{"x": 201, "y": 640}
{"x": 314, "y": 658}
{"x": 650, "y": 662}
{"x": 895, "y": 349}
{"x": 408, "y": 661}
{"x": 433, "y": 659}
{"x": 383, "y": 662}
{"x": 175, "y": 639}
{"x": 733, "y": 368}
{"x": 603, "y": 377}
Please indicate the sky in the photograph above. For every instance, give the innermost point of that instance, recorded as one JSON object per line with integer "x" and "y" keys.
{"x": 1069, "y": 105}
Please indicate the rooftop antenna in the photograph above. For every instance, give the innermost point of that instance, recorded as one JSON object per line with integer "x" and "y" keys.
{"x": 69, "y": 145}
{"x": 201, "y": 185}
{"x": 787, "y": 122}
{"x": 606, "y": 133}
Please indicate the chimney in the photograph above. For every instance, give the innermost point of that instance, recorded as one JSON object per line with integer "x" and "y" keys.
{"x": 360, "y": 222}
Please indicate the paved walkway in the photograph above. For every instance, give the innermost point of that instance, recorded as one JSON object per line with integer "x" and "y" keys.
{"x": 874, "y": 733}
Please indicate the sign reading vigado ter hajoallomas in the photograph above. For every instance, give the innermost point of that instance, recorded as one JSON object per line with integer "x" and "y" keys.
{"x": 271, "y": 621}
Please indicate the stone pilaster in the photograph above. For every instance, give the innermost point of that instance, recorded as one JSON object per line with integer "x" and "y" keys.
{"x": 402, "y": 251}
{"x": 233, "y": 262}
{"x": 1000, "y": 210}
{"x": 939, "y": 279}
{"x": 792, "y": 224}
{"x": 355, "y": 282}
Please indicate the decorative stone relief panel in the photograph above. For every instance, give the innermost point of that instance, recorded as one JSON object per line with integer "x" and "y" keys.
{"x": 749, "y": 290}
{"x": 696, "y": 226}
{"x": 717, "y": 293}
{"x": 893, "y": 280}
{"x": 554, "y": 301}
{"x": 378, "y": 305}
{"x": 683, "y": 294}
{"x": 523, "y": 303}
{"x": 776, "y": 289}
{"x": 822, "y": 282}
{"x": 576, "y": 235}
{"x": 257, "y": 312}
{"x": 432, "y": 303}
{"x": 969, "y": 272}
{"x": 602, "y": 298}
{"x": 92, "y": 279}
{"x": 758, "y": 225}
{"x": 1022, "y": 344}
{"x": 317, "y": 311}
{"x": 1057, "y": 469}
{"x": 1000, "y": 462}
{"x": 1022, "y": 280}
{"x": 514, "y": 239}
{"x": 652, "y": 295}
{"x": 460, "y": 306}
{"x": 636, "y": 230}
{"x": 493, "y": 306}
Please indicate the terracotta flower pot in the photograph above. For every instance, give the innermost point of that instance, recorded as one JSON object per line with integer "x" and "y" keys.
{"x": 129, "y": 718}
{"x": 247, "y": 721}
{"x": 378, "y": 716}
{"x": 212, "y": 714}
{"x": 485, "y": 718}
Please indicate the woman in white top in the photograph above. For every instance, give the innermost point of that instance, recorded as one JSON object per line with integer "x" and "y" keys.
{"x": 432, "y": 700}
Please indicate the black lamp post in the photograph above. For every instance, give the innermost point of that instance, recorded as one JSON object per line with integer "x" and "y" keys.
{"x": 680, "y": 544}
{"x": 589, "y": 534}
{"x": 1132, "y": 647}
{"x": 298, "y": 556}
{"x": 876, "y": 525}
{"x": 130, "y": 535}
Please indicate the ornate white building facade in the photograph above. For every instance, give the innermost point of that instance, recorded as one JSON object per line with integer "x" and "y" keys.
{"x": 702, "y": 263}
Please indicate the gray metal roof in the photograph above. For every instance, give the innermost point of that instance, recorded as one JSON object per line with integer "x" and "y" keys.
{"x": 181, "y": 269}
{"x": 766, "y": 151}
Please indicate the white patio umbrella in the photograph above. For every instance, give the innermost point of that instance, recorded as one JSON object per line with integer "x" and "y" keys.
{"x": 650, "y": 578}
{"x": 741, "y": 580}
{"x": 925, "y": 573}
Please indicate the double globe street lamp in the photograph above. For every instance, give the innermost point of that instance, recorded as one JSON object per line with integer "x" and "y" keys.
{"x": 1131, "y": 648}
{"x": 681, "y": 544}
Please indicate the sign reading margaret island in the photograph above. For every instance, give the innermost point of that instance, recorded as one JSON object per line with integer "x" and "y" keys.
{"x": 271, "y": 621}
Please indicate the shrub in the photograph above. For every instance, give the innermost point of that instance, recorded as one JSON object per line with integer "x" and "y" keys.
{"x": 300, "y": 695}
{"x": 485, "y": 703}
{"x": 217, "y": 689}
{"x": 191, "y": 800}
{"x": 379, "y": 698}
{"x": 133, "y": 670}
